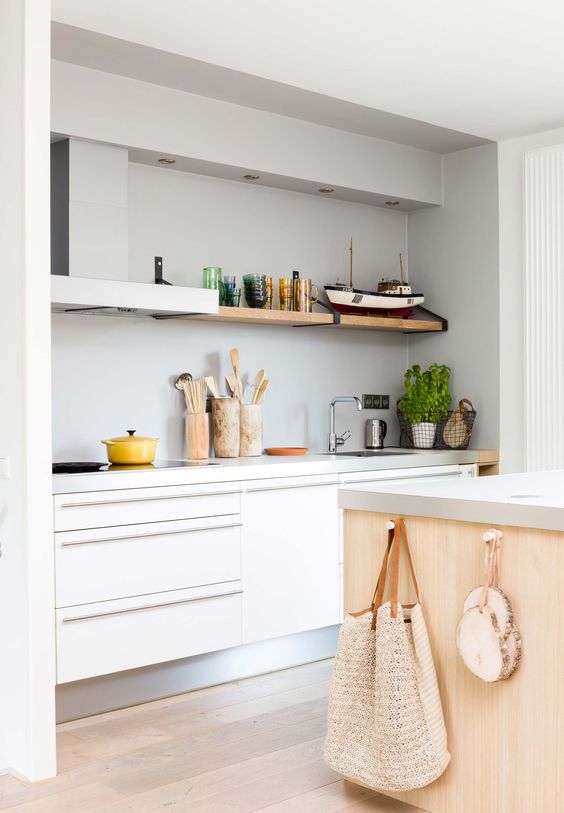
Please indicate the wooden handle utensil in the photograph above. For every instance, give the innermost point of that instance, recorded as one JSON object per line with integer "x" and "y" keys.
{"x": 212, "y": 386}
{"x": 258, "y": 381}
{"x": 232, "y": 384}
{"x": 235, "y": 361}
{"x": 261, "y": 390}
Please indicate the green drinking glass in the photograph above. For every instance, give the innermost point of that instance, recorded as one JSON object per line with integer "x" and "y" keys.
{"x": 212, "y": 277}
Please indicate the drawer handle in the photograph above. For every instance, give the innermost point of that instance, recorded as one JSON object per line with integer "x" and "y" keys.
{"x": 452, "y": 474}
{"x": 294, "y": 485}
{"x": 72, "y": 618}
{"x": 146, "y": 499}
{"x": 143, "y": 536}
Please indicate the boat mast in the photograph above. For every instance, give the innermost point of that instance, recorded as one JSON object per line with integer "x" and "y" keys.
{"x": 401, "y": 268}
{"x": 350, "y": 266}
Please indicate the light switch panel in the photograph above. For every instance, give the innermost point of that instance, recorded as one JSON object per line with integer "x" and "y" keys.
{"x": 375, "y": 401}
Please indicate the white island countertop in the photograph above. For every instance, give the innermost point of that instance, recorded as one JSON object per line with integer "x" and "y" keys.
{"x": 530, "y": 500}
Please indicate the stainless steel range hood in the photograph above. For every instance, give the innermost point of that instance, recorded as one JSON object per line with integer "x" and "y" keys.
{"x": 109, "y": 297}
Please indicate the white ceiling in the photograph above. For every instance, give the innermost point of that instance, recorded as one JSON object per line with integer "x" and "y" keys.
{"x": 491, "y": 68}
{"x": 101, "y": 52}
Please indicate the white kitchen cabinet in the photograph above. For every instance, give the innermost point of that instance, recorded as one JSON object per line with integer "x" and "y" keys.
{"x": 290, "y": 556}
{"x": 110, "y": 636}
{"x": 132, "y": 560}
{"x": 146, "y": 575}
{"x": 99, "y": 509}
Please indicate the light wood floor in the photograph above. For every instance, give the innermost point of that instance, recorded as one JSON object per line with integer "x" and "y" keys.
{"x": 253, "y": 745}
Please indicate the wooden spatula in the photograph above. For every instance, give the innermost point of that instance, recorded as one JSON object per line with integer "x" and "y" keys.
{"x": 262, "y": 390}
{"x": 234, "y": 354}
{"x": 258, "y": 381}
{"x": 212, "y": 386}
{"x": 232, "y": 384}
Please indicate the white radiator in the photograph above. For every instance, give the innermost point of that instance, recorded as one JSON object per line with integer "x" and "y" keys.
{"x": 543, "y": 208}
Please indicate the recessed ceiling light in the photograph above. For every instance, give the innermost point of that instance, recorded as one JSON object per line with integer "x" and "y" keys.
{"x": 392, "y": 203}
{"x": 167, "y": 161}
{"x": 251, "y": 177}
{"x": 325, "y": 190}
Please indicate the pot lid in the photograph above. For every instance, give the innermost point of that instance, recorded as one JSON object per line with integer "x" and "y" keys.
{"x": 131, "y": 438}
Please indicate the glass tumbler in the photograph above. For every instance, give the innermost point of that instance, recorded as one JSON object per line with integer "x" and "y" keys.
{"x": 286, "y": 293}
{"x": 212, "y": 277}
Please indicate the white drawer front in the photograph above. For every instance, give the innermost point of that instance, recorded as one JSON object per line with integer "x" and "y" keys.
{"x": 131, "y": 506}
{"x": 110, "y": 636}
{"x": 110, "y": 563}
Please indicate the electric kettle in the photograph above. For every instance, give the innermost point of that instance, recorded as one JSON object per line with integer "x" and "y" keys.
{"x": 375, "y": 432}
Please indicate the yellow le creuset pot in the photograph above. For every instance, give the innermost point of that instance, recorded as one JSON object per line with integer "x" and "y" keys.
{"x": 131, "y": 450}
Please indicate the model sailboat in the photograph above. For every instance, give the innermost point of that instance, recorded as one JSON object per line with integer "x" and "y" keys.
{"x": 392, "y": 298}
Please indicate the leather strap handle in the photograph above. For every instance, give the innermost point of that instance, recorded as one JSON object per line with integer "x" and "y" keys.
{"x": 380, "y": 584}
{"x": 462, "y": 408}
{"x": 401, "y": 536}
{"x": 395, "y": 539}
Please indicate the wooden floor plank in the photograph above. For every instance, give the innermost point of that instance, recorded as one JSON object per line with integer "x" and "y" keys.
{"x": 145, "y": 770}
{"x": 74, "y": 749}
{"x": 221, "y": 781}
{"x": 252, "y": 745}
{"x": 263, "y": 705}
{"x": 264, "y": 790}
{"x": 383, "y": 804}
{"x": 92, "y": 798}
{"x": 332, "y": 798}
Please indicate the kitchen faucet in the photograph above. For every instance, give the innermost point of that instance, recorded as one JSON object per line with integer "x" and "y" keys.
{"x": 334, "y": 440}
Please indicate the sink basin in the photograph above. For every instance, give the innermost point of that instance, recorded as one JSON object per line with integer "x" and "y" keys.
{"x": 374, "y": 453}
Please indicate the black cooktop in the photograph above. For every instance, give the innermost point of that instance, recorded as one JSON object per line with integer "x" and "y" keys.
{"x": 89, "y": 467}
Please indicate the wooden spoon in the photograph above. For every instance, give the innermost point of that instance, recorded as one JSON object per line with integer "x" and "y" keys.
{"x": 258, "y": 381}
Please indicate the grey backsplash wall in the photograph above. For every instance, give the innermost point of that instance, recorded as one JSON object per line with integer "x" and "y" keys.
{"x": 112, "y": 374}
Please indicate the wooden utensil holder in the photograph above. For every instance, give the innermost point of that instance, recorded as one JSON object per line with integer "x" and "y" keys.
{"x": 251, "y": 430}
{"x": 225, "y": 422}
{"x": 197, "y": 436}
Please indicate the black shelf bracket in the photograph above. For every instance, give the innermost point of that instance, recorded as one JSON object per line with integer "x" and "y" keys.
{"x": 328, "y": 307}
{"x": 432, "y": 315}
{"x": 159, "y": 280}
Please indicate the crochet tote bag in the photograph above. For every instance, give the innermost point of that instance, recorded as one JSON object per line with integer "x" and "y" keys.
{"x": 386, "y": 728}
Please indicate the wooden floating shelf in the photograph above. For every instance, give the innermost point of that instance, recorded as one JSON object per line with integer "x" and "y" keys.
{"x": 256, "y": 316}
{"x": 390, "y": 323}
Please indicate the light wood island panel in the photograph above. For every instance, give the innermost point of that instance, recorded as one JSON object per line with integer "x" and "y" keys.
{"x": 506, "y": 739}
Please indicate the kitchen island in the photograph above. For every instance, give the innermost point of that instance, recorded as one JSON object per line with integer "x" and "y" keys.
{"x": 506, "y": 738}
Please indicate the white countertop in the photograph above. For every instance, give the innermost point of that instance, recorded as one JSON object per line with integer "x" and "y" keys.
{"x": 256, "y": 468}
{"x": 530, "y": 500}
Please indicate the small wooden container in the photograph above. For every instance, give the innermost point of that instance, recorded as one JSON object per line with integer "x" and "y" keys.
{"x": 225, "y": 422}
{"x": 251, "y": 430}
{"x": 198, "y": 436}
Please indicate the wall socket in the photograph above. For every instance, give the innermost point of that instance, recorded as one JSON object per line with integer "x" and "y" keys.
{"x": 375, "y": 401}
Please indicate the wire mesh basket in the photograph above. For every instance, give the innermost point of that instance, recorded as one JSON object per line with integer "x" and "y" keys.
{"x": 450, "y": 431}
